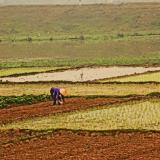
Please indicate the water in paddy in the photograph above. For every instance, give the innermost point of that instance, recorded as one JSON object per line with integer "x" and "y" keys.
{"x": 82, "y": 74}
{"x": 67, "y": 2}
{"x": 130, "y": 115}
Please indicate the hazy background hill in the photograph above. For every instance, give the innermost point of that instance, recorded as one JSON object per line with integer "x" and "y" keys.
{"x": 36, "y": 2}
{"x": 80, "y": 31}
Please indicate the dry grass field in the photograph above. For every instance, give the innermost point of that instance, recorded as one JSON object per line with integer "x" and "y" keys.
{"x": 48, "y": 21}
{"x": 69, "y": 35}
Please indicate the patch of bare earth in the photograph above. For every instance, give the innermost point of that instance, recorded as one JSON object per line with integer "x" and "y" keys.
{"x": 68, "y": 145}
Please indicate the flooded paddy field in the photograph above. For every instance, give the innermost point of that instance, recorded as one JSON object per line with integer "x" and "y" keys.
{"x": 69, "y": 2}
{"x": 81, "y": 74}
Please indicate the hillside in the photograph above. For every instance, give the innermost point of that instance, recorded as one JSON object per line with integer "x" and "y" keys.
{"x": 22, "y": 21}
{"x": 103, "y": 31}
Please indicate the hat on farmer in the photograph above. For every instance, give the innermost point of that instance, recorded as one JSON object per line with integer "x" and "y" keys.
{"x": 63, "y": 91}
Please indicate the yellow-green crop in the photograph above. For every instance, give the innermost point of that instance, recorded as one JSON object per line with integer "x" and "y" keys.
{"x": 23, "y": 70}
{"x": 79, "y": 89}
{"x": 136, "y": 78}
{"x": 132, "y": 115}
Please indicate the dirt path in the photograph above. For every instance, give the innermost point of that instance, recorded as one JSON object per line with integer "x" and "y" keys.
{"x": 66, "y": 145}
{"x": 46, "y": 108}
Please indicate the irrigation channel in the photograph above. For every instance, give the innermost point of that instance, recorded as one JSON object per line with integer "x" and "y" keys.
{"x": 81, "y": 74}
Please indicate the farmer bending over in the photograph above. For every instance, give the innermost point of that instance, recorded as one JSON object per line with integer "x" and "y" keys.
{"x": 57, "y": 95}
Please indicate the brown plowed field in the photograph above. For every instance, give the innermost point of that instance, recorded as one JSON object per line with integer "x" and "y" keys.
{"x": 68, "y": 145}
{"x": 46, "y": 108}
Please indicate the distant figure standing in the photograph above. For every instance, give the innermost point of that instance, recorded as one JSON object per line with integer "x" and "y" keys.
{"x": 57, "y": 95}
{"x": 80, "y": 2}
{"x": 81, "y": 76}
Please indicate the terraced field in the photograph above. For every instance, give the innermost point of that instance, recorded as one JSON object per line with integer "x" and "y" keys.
{"x": 42, "y": 109}
{"x": 81, "y": 74}
{"x": 83, "y": 145}
{"x": 130, "y": 119}
{"x": 79, "y": 89}
{"x": 101, "y": 119}
{"x": 27, "y": 70}
{"x": 143, "y": 115}
{"x": 110, "y": 117}
{"x": 147, "y": 77}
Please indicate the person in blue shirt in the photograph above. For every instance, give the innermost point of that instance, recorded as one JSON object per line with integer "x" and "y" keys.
{"x": 57, "y": 95}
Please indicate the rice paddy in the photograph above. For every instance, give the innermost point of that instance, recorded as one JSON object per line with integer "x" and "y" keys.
{"x": 26, "y": 70}
{"x": 79, "y": 89}
{"x": 100, "y": 47}
{"x": 81, "y": 74}
{"x": 147, "y": 77}
{"x": 142, "y": 115}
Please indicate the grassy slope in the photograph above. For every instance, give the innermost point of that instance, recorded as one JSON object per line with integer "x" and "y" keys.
{"x": 131, "y": 115}
{"x": 79, "y": 89}
{"x": 100, "y": 25}
{"x": 135, "y": 48}
{"x": 76, "y": 20}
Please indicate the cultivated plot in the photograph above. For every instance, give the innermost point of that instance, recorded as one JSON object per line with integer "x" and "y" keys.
{"x": 147, "y": 77}
{"x": 21, "y": 111}
{"x": 79, "y": 89}
{"x": 141, "y": 115}
{"x": 82, "y": 74}
{"x": 26, "y": 70}
{"x": 63, "y": 145}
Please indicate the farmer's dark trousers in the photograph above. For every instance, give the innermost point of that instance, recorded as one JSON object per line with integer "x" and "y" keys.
{"x": 53, "y": 97}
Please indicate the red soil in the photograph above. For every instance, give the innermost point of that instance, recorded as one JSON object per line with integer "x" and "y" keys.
{"x": 46, "y": 108}
{"x": 66, "y": 145}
